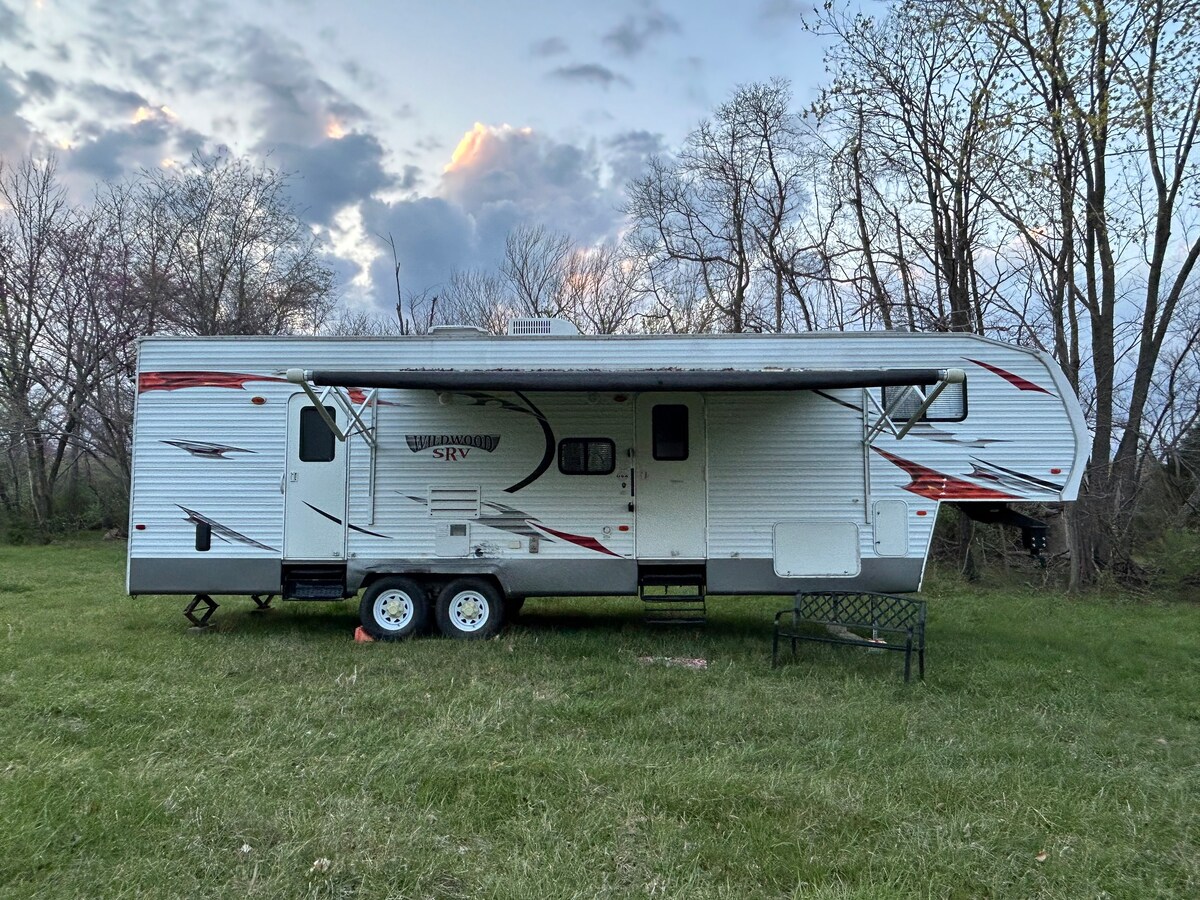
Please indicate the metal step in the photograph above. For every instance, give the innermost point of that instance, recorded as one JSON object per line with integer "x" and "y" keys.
{"x": 672, "y": 603}
{"x": 314, "y": 583}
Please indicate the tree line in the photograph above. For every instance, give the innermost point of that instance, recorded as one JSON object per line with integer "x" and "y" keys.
{"x": 213, "y": 248}
{"x": 1022, "y": 169}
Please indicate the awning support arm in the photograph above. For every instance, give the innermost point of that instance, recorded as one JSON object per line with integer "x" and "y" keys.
{"x": 299, "y": 376}
{"x": 946, "y": 377}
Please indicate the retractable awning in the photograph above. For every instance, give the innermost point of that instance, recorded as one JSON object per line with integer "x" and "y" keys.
{"x": 622, "y": 379}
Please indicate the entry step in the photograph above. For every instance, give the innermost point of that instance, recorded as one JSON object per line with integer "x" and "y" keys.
{"x": 673, "y": 604}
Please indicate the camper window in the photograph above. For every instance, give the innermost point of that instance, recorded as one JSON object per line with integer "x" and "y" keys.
{"x": 950, "y": 406}
{"x": 316, "y": 440}
{"x": 669, "y": 423}
{"x": 586, "y": 456}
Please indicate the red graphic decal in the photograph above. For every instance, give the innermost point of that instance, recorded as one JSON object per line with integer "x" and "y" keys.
{"x": 934, "y": 485}
{"x": 173, "y": 381}
{"x": 588, "y": 543}
{"x": 1016, "y": 381}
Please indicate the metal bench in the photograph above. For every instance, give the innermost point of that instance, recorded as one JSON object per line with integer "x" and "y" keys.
{"x": 857, "y": 619}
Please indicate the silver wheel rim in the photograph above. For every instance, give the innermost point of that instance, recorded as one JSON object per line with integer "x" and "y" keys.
{"x": 393, "y": 610}
{"x": 470, "y": 611}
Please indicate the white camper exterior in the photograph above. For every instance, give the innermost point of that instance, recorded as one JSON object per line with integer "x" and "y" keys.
{"x": 566, "y": 464}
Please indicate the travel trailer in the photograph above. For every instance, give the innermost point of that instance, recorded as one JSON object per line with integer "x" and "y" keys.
{"x": 449, "y": 476}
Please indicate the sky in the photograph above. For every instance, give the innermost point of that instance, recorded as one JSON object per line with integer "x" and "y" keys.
{"x": 441, "y": 125}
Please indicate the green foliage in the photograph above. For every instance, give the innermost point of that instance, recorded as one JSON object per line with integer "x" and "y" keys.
{"x": 1053, "y": 751}
{"x": 1174, "y": 561}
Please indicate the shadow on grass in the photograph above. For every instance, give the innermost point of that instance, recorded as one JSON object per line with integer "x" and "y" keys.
{"x": 237, "y": 615}
{"x": 599, "y": 617}
{"x": 751, "y": 622}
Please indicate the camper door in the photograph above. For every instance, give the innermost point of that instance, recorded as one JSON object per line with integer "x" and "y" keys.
{"x": 314, "y": 508}
{"x": 671, "y": 500}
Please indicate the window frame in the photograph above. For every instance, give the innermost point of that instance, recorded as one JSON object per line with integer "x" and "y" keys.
{"x": 654, "y": 432}
{"x": 305, "y": 439}
{"x": 926, "y": 417}
{"x": 586, "y": 442}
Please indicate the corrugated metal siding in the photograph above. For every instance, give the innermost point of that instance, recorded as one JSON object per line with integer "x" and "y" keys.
{"x": 785, "y": 458}
{"x": 595, "y": 502}
{"x": 802, "y": 467}
{"x": 239, "y": 491}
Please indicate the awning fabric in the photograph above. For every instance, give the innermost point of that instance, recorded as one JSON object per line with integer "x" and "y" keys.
{"x": 621, "y": 379}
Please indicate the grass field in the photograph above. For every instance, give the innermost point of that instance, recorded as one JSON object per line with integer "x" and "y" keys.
{"x": 1053, "y": 751}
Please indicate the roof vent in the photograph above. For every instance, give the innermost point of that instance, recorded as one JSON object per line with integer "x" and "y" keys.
{"x": 449, "y": 330}
{"x": 541, "y": 326}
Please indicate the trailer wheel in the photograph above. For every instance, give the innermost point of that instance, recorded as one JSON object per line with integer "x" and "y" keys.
{"x": 394, "y": 608}
{"x": 470, "y": 608}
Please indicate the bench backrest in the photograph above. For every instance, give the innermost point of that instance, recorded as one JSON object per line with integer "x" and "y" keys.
{"x": 862, "y": 609}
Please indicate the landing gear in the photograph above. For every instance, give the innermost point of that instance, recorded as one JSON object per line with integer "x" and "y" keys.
{"x": 394, "y": 608}
{"x": 262, "y": 602}
{"x": 470, "y": 609}
{"x": 210, "y": 606}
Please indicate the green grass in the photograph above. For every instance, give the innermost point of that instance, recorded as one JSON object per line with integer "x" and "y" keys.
{"x": 139, "y": 761}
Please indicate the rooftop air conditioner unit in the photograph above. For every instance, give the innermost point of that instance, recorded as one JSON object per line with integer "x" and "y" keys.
{"x": 541, "y": 326}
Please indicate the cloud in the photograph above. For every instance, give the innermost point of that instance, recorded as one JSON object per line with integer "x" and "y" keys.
{"x": 107, "y": 101}
{"x": 433, "y": 238}
{"x": 14, "y": 130}
{"x": 629, "y": 152}
{"x": 498, "y": 177}
{"x": 410, "y": 178}
{"x": 12, "y": 28}
{"x": 294, "y": 105}
{"x": 637, "y": 31}
{"x": 590, "y": 73}
{"x": 40, "y": 86}
{"x": 151, "y": 140}
{"x": 551, "y": 46}
{"x": 334, "y": 173}
{"x": 518, "y": 174}
{"x": 780, "y": 12}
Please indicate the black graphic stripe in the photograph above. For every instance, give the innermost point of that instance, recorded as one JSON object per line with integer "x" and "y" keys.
{"x": 332, "y": 518}
{"x": 224, "y": 532}
{"x": 1022, "y": 475}
{"x": 839, "y": 401}
{"x": 547, "y": 456}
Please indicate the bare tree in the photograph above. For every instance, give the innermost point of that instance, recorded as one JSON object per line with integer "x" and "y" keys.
{"x": 478, "y": 298}
{"x": 33, "y": 276}
{"x": 911, "y": 117}
{"x": 535, "y": 264}
{"x": 599, "y": 290}
{"x": 1049, "y": 150}
{"x": 724, "y": 209}
{"x": 238, "y": 259}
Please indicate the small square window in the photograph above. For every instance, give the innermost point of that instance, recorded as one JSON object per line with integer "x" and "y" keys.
{"x": 586, "y": 456}
{"x": 669, "y": 424}
{"x": 317, "y": 442}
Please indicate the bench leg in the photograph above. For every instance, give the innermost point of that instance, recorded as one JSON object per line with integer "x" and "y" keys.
{"x": 921, "y": 662}
{"x": 775, "y": 649}
{"x": 907, "y": 661}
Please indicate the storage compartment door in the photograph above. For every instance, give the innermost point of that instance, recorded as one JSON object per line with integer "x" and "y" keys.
{"x": 891, "y": 528}
{"x": 816, "y": 549}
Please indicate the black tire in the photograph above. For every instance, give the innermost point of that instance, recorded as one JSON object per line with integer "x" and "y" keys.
{"x": 393, "y": 608}
{"x": 470, "y": 609}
